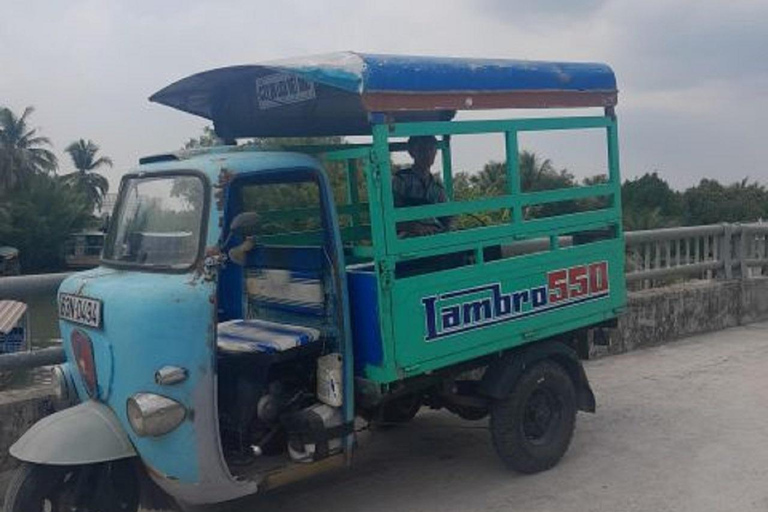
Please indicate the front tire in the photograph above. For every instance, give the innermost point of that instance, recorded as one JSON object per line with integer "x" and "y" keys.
{"x": 532, "y": 427}
{"x": 104, "y": 487}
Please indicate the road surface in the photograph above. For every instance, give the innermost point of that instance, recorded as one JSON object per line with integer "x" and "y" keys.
{"x": 681, "y": 427}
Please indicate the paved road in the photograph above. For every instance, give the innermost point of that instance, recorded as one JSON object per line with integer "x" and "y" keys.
{"x": 682, "y": 427}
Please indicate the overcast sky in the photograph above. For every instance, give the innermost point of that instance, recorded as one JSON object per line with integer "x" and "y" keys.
{"x": 693, "y": 74}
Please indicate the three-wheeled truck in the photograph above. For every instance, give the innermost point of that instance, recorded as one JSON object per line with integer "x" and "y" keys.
{"x": 250, "y": 305}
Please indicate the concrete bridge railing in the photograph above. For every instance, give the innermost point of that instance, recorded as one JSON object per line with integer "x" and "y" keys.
{"x": 685, "y": 280}
{"x": 721, "y": 251}
{"x": 32, "y": 286}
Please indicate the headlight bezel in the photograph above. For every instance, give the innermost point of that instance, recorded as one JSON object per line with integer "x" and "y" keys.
{"x": 153, "y": 415}
{"x": 65, "y": 392}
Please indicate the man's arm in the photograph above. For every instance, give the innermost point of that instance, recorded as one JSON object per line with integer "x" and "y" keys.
{"x": 398, "y": 190}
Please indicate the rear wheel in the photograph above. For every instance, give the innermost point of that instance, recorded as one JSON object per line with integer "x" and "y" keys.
{"x": 104, "y": 487}
{"x": 532, "y": 427}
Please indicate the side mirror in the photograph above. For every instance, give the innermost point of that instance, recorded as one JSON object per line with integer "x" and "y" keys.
{"x": 244, "y": 223}
{"x": 239, "y": 253}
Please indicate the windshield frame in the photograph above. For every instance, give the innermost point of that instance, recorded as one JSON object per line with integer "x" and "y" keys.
{"x": 111, "y": 233}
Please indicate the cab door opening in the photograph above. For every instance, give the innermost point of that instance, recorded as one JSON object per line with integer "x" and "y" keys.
{"x": 279, "y": 321}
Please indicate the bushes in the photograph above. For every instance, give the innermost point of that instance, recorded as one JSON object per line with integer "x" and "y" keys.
{"x": 38, "y": 218}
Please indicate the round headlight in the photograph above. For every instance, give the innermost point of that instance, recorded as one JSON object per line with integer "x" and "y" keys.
{"x": 65, "y": 394}
{"x": 154, "y": 415}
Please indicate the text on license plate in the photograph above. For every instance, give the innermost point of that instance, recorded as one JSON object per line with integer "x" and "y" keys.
{"x": 81, "y": 310}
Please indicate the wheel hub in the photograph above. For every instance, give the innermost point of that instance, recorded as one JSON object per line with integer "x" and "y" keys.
{"x": 541, "y": 413}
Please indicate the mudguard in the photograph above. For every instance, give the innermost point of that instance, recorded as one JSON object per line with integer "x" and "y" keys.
{"x": 502, "y": 374}
{"x": 84, "y": 434}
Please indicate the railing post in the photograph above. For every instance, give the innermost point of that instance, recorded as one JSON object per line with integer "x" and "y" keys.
{"x": 743, "y": 251}
{"x": 726, "y": 250}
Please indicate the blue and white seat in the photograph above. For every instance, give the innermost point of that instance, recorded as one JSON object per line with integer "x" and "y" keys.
{"x": 261, "y": 336}
{"x": 284, "y": 302}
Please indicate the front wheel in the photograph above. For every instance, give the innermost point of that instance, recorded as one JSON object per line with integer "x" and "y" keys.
{"x": 532, "y": 427}
{"x": 105, "y": 487}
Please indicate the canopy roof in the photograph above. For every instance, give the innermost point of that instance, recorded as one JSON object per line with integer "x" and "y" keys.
{"x": 335, "y": 94}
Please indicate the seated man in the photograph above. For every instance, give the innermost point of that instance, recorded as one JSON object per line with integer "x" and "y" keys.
{"x": 416, "y": 186}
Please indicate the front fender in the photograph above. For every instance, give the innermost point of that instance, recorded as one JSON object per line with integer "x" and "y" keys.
{"x": 85, "y": 434}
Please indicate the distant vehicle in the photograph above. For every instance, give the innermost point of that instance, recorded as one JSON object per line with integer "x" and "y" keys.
{"x": 14, "y": 332}
{"x": 9, "y": 261}
{"x": 83, "y": 249}
{"x": 243, "y": 318}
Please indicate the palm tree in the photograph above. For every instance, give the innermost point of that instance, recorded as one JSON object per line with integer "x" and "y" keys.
{"x": 92, "y": 184}
{"x": 492, "y": 180}
{"x": 22, "y": 152}
{"x": 536, "y": 174}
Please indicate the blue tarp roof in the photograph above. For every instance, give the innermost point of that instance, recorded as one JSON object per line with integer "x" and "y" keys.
{"x": 334, "y": 94}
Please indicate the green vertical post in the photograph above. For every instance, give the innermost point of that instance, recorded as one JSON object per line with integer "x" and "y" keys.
{"x": 377, "y": 223}
{"x": 479, "y": 256}
{"x": 383, "y": 174}
{"x": 384, "y": 234}
{"x": 513, "y": 174}
{"x": 348, "y": 181}
{"x": 353, "y": 195}
{"x": 612, "y": 134}
{"x": 445, "y": 153}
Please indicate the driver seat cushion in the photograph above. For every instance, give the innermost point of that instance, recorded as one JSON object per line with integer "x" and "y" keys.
{"x": 262, "y": 336}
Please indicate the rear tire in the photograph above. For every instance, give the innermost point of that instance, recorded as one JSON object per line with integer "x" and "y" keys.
{"x": 532, "y": 427}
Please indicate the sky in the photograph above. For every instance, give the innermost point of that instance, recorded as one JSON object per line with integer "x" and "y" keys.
{"x": 692, "y": 74}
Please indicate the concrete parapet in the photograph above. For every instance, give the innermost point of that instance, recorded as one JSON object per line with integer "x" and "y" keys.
{"x": 754, "y": 300}
{"x": 661, "y": 315}
{"x": 19, "y": 410}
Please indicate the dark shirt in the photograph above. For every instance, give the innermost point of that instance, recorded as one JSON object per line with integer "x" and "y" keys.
{"x": 413, "y": 188}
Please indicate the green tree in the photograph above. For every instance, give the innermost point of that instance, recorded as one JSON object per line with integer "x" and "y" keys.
{"x": 276, "y": 197}
{"x": 635, "y": 219}
{"x": 206, "y": 140}
{"x": 537, "y": 174}
{"x": 649, "y": 202}
{"x": 300, "y": 195}
{"x": 23, "y": 153}
{"x": 490, "y": 181}
{"x": 37, "y": 220}
{"x": 91, "y": 184}
{"x": 711, "y": 202}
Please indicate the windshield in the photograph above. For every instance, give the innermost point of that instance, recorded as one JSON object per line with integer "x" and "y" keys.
{"x": 158, "y": 222}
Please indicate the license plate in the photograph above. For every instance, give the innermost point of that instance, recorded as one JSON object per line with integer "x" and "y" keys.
{"x": 80, "y": 310}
